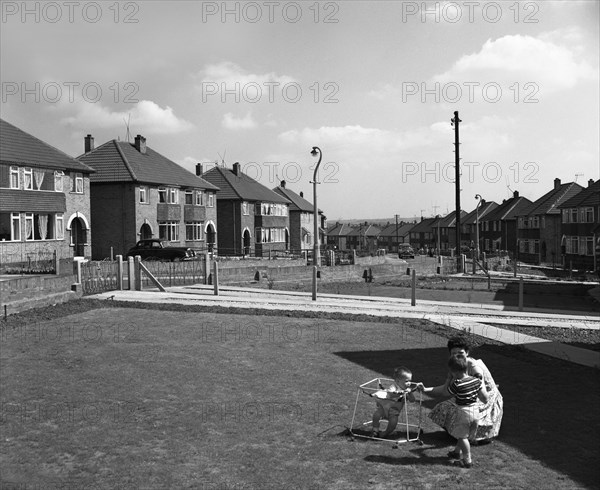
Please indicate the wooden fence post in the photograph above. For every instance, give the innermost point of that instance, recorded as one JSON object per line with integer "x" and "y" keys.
{"x": 130, "y": 273}
{"x": 138, "y": 273}
{"x": 120, "y": 272}
{"x": 216, "y": 278}
{"x": 413, "y": 292}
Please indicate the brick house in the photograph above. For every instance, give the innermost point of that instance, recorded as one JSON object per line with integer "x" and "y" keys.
{"x": 499, "y": 227}
{"x": 421, "y": 234}
{"x": 393, "y": 234}
{"x": 253, "y": 219}
{"x": 446, "y": 227}
{"x": 580, "y": 228}
{"x": 539, "y": 225}
{"x": 137, "y": 193}
{"x": 363, "y": 237}
{"x": 302, "y": 223}
{"x": 336, "y": 236}
{"x": 468, "y": 224}
{"x": 44, "y": 199}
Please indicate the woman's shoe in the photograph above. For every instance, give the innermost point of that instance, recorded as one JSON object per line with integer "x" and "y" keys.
{"x": 463, "y": 464}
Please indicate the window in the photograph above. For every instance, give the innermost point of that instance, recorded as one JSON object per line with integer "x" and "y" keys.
{"x": 586, "y": 245}
{"x": 211, "y": 200}
{"x": 572, "y": 244}
{"x": 168, "y": 230}
{"x": 60, "y": 228}
{"x": 535, "y": 222}
{"x": 269, "y": 235}
{"x": 565, "y": 215}
{"x": 193, "y": 231}
{"x": 245, "y": 210}
{"x": 573, "y": 215}
{"x": 15, "y": 228}
{"x": 199, "y": 198}
{"x": 28, "y": 226}
{"x": 28, "y": 179}
{"x": 173, "y": 196}
{"x": 15, "y": 181}
{"x": 58, "y": 180}
{"x": 144, "y": 195}
{"x": 189, "y": 197}
{"x": 586, "y": 215}
{"x": 77, "y": 183}
{"x": 162, "y": 194}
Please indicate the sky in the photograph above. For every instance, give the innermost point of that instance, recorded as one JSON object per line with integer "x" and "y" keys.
{"x": 373, "y": 84}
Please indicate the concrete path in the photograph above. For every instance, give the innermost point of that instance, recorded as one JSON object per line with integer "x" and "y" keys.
{"x": 478, "y": 319}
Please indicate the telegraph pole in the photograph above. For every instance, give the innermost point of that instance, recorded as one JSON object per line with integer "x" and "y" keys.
{"x": 455, "y": 122}
{"x": 397, "y": 244}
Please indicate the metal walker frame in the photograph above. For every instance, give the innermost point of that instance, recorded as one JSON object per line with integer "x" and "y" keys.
{"x": 371, "y": 387}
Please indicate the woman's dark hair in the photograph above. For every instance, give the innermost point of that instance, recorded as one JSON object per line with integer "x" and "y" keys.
{"x": 460, "y": 342}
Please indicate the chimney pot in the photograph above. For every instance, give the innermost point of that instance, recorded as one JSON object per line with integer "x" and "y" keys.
{"x": 283, "y": 184}
{"x": 301, "y": 194}
{"x": 140, "y": 144}
{"x": 590, "y": 182}
{"x": 88, "y": 144}
{"x": 556, "y": 183}
{"x": 198, "y": 169}
{"x": 516, "y": 194}
{"x": 236, "y": 168}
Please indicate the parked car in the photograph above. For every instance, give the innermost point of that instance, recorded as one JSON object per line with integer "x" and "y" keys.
{"x": 154, "y": 249}
{"x": 405, "y": 251}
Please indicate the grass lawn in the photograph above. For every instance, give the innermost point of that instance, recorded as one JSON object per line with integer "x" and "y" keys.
{"x": 146, "y": 398}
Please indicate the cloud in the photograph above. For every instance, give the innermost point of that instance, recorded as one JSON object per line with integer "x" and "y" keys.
{"x": 231, "y": 82}
{"x": 552, "y": 60}
{"x": 144, "y": 117}
{"x": 234, "y": 123}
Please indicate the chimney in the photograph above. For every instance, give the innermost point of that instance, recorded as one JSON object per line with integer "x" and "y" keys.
{"x": 198, "y": 169}
{"x": 140, "y": 144}
{"x": 283, "y": 184}
{"x": 236, "y": 169}
{"x": 516, "y": 194}
{"x": 88, "y": 143}
{"x": 301, "y": 194}
{"x": 556, "y": 183}
{"x": 590, "y": 182}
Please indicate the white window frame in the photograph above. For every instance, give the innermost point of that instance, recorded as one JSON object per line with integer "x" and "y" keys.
{"x": 245, "y": 208}
{"x": 199, "y": 198}
{"x": 58, "y": 180}
{"x": 59, "y": 218}
{"x": 197, "y": 231}
{"x": 162, "y": 191}
{"x": 28, "y": 172}
{"x": 29, "y": 217}
{"x": 77, "y": 182}
{"x": 211, "y": 200}
{"x": 171, "y": 228}
{"x": 14, "y": 172}
{"x": 144, "y": 195}
{"x": 15, "y": 237}
{"x": 190, "y": 194}
{"x": 172, "y": 195}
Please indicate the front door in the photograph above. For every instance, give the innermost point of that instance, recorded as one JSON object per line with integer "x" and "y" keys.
{"x": 78, "y": 237}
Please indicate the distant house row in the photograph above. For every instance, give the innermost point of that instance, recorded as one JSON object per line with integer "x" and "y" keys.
{"x": 113, "y": 195}
{"x": 561, "y": 227}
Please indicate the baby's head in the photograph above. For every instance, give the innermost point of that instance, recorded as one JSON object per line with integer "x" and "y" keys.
{"x": 403, "y": 377}
{"x": 458, "y": 365}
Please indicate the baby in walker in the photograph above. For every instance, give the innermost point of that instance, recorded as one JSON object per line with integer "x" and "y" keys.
{"x": 390, "y": 401}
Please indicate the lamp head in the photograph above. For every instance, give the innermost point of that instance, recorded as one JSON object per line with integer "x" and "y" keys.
{"x": 314, "y": 151}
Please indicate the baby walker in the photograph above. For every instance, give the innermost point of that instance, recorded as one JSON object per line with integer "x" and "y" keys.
{"x": 375, "y": 389}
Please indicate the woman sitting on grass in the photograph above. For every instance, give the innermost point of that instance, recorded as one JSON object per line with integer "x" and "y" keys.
{"x": 445, "y": 413}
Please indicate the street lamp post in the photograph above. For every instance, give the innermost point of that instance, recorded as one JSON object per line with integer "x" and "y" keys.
{"x": 479, "y": 201}
{"x": 316, "y": 255}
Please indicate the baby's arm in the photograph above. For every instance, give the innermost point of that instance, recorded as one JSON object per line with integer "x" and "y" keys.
{"x": 483, "y": 393}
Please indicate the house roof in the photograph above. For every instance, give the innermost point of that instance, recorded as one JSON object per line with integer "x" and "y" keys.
{"x": 484, "y": 208}
{"x": 589, "y": 196}
{"x": 298, "y": 202}
{"x": 20, "y": 148}
{"x": 509, "y": 209}
{"x": 449, "y": 221}
{"x": 549, "y": 202}
{"x": 403, "y": 229}
{"x": 423, "y": 226}
{"x": 338, "y": 229}
{"x": 120, "y": 161}
{"x": 240, "y": 186}
{"x": 364, "y": 230}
